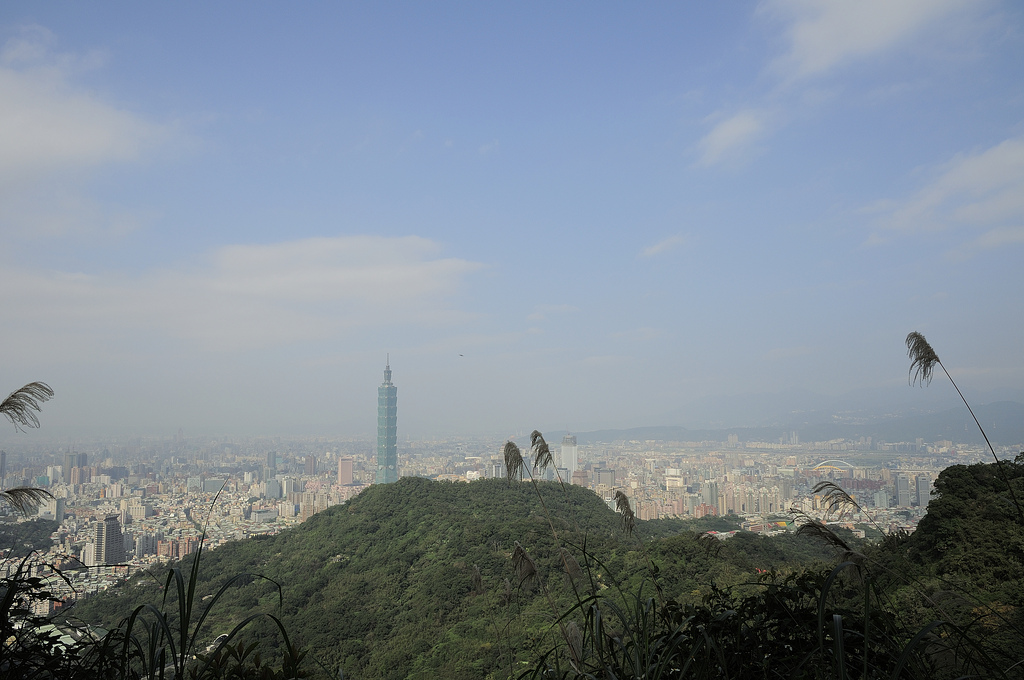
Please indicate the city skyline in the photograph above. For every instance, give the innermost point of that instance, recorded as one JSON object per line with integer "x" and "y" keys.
{"x": 700, "y": 216}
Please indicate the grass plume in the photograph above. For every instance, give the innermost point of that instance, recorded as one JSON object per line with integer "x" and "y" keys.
{"x": 24, "y": 499}
{"x": 923, "y": 360}
{"x": 20, "y": 405}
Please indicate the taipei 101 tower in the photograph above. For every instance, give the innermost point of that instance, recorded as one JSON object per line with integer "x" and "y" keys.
{"x": 387, "y": 429}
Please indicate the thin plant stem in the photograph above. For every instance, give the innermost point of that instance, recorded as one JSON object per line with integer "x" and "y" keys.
{"x": 999, "y": 466}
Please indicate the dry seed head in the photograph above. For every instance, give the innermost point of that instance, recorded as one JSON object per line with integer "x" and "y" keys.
{"x": 711, "y": 545}
{"x": 922, "y": 359}
{"x": 513, "y": 461}
{"x": 628, "y": 518}
{"x": 506, "y": 594}
{"x": 835, "y": 499}
{"x": 572, "y": 567}
{"x": 541, "y": 451}
{"x": 574, "y": 641}
{"x": 25, "y": 499}
{"x": 814, "y": 528}
{"x": 20, "y": 404}
{"x": 526, "y": 569}
{"x": 478, "y": 580}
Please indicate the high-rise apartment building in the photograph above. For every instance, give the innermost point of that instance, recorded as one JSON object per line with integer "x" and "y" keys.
{"x": 345, "y": 466}
{"x": 109, "y": 542}
{"x": 387, "y": 429}
{"x": 569, "y": 458}
{"x": 604, "y": 477}
{"x": 903, "y": 492}
{"x": 924, "y": 490}
{"x": 70, "y": 462}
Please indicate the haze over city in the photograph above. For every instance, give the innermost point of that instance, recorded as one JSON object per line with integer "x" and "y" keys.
{"x": 221, "y": 219}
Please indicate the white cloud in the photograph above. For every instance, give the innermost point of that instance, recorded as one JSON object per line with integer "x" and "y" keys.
{"x": 664, "y": 245}
{"x": 824, "y": 34}
{"x": 990, "y": 240}
{"x": 242, "y": 297}
{"x": 984, "y": 190}
{"x": 819, "y": 37}
{"x": 731, "y": 137}
{"x": 46, "y": 124}
{"x": 50, "y": 131}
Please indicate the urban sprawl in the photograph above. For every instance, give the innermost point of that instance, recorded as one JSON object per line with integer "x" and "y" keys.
{"x": 122, "y": 506}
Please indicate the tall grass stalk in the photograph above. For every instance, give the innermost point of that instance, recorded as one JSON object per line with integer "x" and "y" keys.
{"x": 923, "y": 361}
{"x": 167, "y": 643}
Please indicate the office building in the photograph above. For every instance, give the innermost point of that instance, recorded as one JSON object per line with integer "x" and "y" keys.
{"x": 569, "y": 458}
{"x": 604, "y": 477}
{"x": 387, "y": 429}
{"x": 924, "y": 490}
{"x": 903, "y": 492}
{"x": 345, "y": 466}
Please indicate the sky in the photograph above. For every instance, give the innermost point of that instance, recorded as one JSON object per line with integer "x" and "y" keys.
{"x": 224, "y": 218}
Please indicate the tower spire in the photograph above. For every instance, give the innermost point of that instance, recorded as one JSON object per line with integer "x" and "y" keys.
{"x": 387, "y": 428}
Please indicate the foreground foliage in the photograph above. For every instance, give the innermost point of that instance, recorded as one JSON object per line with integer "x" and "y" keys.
{"x": 945, "y": 602}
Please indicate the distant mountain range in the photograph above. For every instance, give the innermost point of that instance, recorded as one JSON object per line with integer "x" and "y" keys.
{"x": 1003, "y": 421}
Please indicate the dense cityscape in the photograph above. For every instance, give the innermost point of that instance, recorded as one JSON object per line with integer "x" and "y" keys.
{"x": 137, "y": 502}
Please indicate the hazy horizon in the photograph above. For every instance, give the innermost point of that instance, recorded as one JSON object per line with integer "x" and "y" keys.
{"x": 222, "y": 219}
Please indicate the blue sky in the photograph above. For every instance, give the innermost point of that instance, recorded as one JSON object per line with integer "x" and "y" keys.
{"x": 579, "y": 215}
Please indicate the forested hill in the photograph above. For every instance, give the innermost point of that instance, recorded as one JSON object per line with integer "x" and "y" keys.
{"x": 417, "y": 580}
{"x": 383, "y": 586}
{"x": 386, "y": 586}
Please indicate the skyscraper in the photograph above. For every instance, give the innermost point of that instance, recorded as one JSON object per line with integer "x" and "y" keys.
{"x": 108, "y": 542}
{"x": 70, "y": 462}
{"x": 345, "y": 466}
{"x": 924, "y": 490}
{"x": 569, "y": 458}
{"x": 387, "y": 429}
{"x": 903, "y": 493}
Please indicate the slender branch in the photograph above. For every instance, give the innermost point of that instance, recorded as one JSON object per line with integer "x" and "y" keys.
{"x": 999, "y": 463}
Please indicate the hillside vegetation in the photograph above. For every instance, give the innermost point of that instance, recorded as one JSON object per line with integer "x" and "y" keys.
{"x": 489, "y": 579}
{"x": 409, "y": 579}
